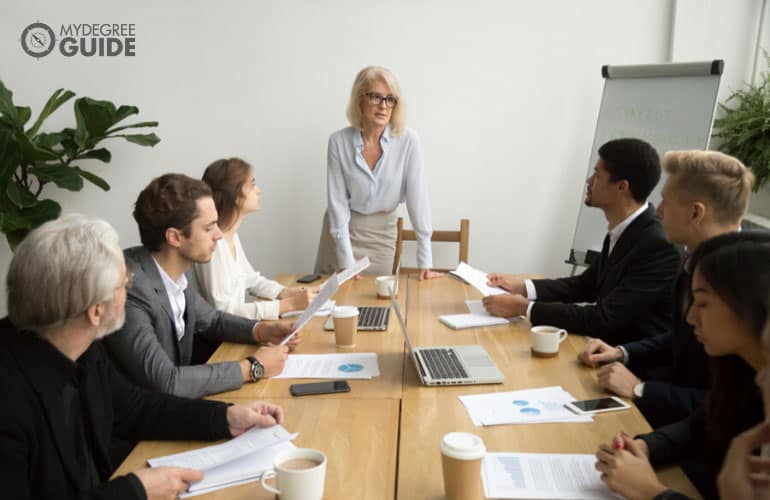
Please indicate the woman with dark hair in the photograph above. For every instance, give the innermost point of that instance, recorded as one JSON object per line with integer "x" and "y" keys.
{"x": 226, "y": 278}
{"x": 729, "y": 287}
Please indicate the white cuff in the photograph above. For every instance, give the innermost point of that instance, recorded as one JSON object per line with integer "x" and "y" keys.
{"x": 267, "y": 309}
{"x": 531, "y": 291}
{"x": 529, "y": 310}
{"x": 625, "y": 354}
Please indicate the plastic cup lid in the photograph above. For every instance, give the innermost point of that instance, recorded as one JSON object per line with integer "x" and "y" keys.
{"x": 345, "y": 312}
{"x": 463, "y": 446}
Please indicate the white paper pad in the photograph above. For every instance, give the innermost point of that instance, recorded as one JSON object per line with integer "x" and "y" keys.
{"x": 325, "y": 310}
{"x": 239, "y": 460}
{"x": 540, "y": 475}
{"x": 477, "y": 279}
{"x": 359, "y": 365}
{"x": 477, "y": 317}
{"x": 528, "y": 406}
{"x": 356, "y": 268}
{"x": 328, "y": 289}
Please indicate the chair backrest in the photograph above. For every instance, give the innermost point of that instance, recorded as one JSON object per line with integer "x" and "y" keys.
{"x": 403, "y": 235}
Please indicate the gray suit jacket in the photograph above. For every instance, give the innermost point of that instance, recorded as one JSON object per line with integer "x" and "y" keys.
{"x": 147, "y": 348}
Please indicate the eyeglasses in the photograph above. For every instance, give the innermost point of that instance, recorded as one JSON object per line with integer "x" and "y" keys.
{"x": 377, "y": 99}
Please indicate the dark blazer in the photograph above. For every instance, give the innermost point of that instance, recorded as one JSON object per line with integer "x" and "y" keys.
{"x": 147, "y": 348}
{"x": 36, "y": 461}
{"x": 629, "y": 291}
{"x": 674, "y": 365}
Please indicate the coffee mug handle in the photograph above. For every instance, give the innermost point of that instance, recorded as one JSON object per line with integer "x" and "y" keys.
{"x": 562, "y": 336}
{"x": 267, "y": 475}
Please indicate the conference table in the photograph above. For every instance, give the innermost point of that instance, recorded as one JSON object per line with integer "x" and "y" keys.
{"x": 382, "y": 438}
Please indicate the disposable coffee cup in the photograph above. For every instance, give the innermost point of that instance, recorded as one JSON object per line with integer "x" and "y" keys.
{"x": 299, "y": 475}
{"x": 461, "y": 455}
{"x": 546, "y": 340}
{"x": 384, "y": 284}
{"x": 345, "y": 325}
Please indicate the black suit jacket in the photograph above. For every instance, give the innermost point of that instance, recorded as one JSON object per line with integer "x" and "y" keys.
{"x": 37, "y": 463}
{"x": 630, "y": 289}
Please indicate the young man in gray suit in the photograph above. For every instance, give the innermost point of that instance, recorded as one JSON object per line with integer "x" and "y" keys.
{"x": 177, "y": 223}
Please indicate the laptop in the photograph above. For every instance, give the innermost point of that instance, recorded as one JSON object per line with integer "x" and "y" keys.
{"x": 370, "y": 318}
{"x": 450, "y": 365}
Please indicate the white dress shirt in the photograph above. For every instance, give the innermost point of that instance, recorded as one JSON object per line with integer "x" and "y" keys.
{"x": 398, "y": 177}
{"x": 614, "y": 234}
{"x": 225, "y": 279}
{"x": 175, "y": 292}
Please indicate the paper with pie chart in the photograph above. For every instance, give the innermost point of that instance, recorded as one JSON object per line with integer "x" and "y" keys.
{"x": 521, "y": 407}
{"x": 359, "y": 365}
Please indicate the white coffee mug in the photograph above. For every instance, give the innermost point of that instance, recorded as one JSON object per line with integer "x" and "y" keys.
{"x": 296, "y": 478}
{"x": 384, "y": 284}
{"x": 546, "y": 340}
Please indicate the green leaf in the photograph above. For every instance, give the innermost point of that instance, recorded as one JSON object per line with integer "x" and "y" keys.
{"x": 17, "y": 225}
{"x": 63, "y": 176}
{"x": 124, "y": 112}
{"x": 20, "y": 195}
{"x": 9, "y": 158}
{"x": 54, "y": 102}
{"x": 24, "y": 114}
{"x": 96, "y": 154}
{"x": 92, "y": 178}
{"x": 30, "y": 151}
{"x": 141, "y": 139}
{"x": 93, "y": 119}
{"x": 6, "y": 105}
{"x": 48, "y": 141}
{"x": 134, "y": 125}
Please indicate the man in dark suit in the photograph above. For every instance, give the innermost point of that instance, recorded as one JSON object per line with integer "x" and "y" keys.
{"x": 706, "y": 194}
{"x": 626, "y": 294}
{"x": 63, "y": 400}
{"x": 178, "y": 226}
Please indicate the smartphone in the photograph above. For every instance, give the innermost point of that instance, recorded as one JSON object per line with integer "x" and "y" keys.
{"x": 319, "y": 388}
{"x": 309, "y": 278}
{"x": 600, "y": 405}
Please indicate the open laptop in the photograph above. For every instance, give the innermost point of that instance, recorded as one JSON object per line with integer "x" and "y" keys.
{"x": 449, "y": 365}
{"x": 370, "y": 318}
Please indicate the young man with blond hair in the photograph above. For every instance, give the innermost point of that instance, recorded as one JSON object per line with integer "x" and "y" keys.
{"x": 706, "y": 194}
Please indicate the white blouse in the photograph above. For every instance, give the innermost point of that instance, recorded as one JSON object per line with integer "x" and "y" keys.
{"x": 224, "y": 281}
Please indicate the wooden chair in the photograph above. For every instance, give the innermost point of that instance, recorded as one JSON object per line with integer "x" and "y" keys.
{"x": 460, "y": 237}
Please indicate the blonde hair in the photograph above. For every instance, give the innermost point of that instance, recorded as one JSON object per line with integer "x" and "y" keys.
{"x": 361, "y": 85}
{"x": 719, "y": 179}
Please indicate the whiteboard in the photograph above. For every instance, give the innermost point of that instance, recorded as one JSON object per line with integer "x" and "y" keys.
{"x": 671, "y": 106}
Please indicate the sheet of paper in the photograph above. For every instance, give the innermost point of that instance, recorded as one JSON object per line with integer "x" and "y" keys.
{"x": 527, "y": 406}
{"x": 254, "y": 439}
{"x": 325, "y": 310}
{"x": 540, "y": 475}
{"x": 359, "y": 365}
{"x": 477, "y": 279}
{"x": 328, "y": 290}
{"x": 461, "y": 321}
{"x": 356, "y": 268}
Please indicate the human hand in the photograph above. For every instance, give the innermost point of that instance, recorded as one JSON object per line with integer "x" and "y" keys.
{"x": 427, "y": 274}
{"x": 164, "y": 483}
{"x": 617, "y": 379}
{"x": 597, "y": 352}
{"x": 507, "y": 282}
{"x": 273, "y": 358}
{"x": 274, "y": 333}
{"x": 745, "y": 476}
{"x": 626, "y": 469}
{"x": 243, "y": 417}
{"x": 506, "y": 305}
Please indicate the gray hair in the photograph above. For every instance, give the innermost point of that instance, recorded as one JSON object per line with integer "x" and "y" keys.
{"x": 61, "y": 269}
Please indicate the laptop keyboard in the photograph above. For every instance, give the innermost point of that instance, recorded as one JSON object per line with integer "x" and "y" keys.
{"x": 373, "y": 317}
{"x": 442, "y": 363}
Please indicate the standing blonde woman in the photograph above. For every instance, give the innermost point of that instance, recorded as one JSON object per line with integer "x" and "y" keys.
{"x": 372, "y": 167}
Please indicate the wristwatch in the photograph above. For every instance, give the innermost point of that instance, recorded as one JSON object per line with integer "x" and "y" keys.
{"x": 257, "y": 370}
{"x": 639, "y": 390}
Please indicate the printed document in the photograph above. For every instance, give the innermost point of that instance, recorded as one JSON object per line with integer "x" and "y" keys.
{"x": 476, "y": 317}
{"x": 328, "y": 289}
{"x": 325, "y": 310}
{"x": 477, "y": 279}
{"x": 356, "y": 268}
{"x": 529, "y": 406}
{"x": 359, "y": 365}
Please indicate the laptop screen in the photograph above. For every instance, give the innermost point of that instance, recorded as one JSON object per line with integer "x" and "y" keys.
{"x": 401, "y": 321}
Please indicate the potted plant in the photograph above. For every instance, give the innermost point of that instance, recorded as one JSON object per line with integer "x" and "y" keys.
{"x": 31, "y": 159}
{"x": 744, "y": 128}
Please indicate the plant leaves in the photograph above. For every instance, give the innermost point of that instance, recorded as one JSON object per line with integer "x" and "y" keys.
{"x": 24, "y": 114}
{"x": 63, "y": 176}
{"x": 6, "y": 105}
{"x": 124, "y": 112}
{"x": 20, "y": 195}
{"x": 92, "y": 178}
{"x": 101, "y": 154}
{"x": 133, "y": 125}
{"x": 9, "y": 158}
{"x": 30, "y": 151}
{"x": 141, "y": 139}
{"x": 54, "y": 102}
{"x": 93, "y": 119}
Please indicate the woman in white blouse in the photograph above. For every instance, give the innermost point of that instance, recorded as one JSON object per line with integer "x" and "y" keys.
{"x": 225, "y": 279}
{"x": 372, "y": 167}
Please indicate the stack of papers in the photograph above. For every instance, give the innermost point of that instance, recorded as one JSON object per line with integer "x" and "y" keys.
{"x": 538, "y": 475}
{"x": 477, "y": 279}
{"x": 324, "y": 310}
{"x": 529, "y": 406}
{"x": 360, "y": 365}
{"x": 241, "y": 460}
{"x": 476, "y": 317}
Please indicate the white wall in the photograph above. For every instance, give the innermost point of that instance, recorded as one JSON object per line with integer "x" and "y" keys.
{"x": 503, "y": 94}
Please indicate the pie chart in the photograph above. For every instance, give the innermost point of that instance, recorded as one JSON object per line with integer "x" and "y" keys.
{"x": 350, "y": 368}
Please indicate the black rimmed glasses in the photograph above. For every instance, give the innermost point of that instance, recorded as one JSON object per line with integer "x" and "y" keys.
{"x": 377, "y": 99}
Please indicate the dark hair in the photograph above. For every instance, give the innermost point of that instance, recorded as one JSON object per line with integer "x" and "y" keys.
{"x": 632, "y": 160}
{"x": 737, "y": 266}
{"x": 168, "y": 201}
{"x": 226, "y": 178}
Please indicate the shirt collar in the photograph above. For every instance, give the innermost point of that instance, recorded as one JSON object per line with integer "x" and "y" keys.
{"x": 358, "y": 139}
{"x": 616, "y": 231}
{"x": 175, "y": 287}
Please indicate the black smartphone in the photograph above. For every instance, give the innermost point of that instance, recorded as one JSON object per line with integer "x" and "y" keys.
{"x": 319, "y": 388}
{"x": 309, "y": 278}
